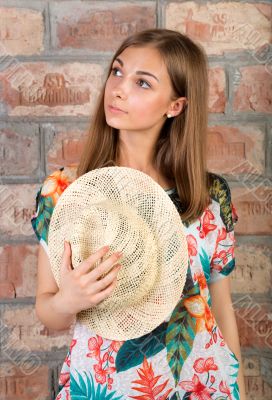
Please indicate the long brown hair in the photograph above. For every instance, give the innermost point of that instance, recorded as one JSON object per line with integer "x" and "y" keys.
{"x": 180, "y": 153}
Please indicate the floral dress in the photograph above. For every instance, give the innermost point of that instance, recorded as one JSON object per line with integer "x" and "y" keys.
{"x": 186, "y": 357}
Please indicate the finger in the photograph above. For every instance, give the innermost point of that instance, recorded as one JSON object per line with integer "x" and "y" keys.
{"x": 104, "y": 267}
{"x": 87, "y": 264}
{"x": 106, "y": 292}
{"x": 66, "y": 257}
{"x": 107, "y": 280}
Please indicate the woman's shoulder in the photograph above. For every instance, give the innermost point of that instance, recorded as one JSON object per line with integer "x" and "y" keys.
{"x": 220, "y": 194}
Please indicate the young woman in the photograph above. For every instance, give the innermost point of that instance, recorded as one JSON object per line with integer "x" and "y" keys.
{"x": 151, "y": 116}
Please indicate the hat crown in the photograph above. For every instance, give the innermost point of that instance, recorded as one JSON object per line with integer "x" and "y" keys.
{"x": 106, "y": 222}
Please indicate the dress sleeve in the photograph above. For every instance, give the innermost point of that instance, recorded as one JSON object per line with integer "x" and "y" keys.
{"x": 223, "y": 259}
{"x": 46, "y": 199}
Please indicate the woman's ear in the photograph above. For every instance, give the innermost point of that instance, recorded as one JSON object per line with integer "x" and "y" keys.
{"x": 177, "y": 107}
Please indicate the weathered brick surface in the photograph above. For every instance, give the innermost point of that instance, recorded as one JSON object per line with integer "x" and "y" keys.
{"x": 254, "y": 322}
{"x": 15, "y": 383}
{"x": 217, "y": 90}
{"x": 99, "y": 26}
{"x": 53, "y": 56}
{"x": 13, "y": 139}
{"x": 51, "y": 89}
{"x": 18, "y": 270}
{"x": 236, "y": 149}
{"x": 21, "y": 31}
{"x": 257, "y": 387}
{"x": 64, "y": 145}
{"x": 222, "y": 27}
{"x": 253, "y": 204}
{"x": 17, "y": 205}
{"x": 25, "y": 333}
{"x": 253, "y": 272}
{"x": 257, "y": 377}
{"x": 253, "y": 90}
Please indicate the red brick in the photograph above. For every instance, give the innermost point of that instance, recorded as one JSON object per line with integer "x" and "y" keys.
{"x": 254, "y": 322}
{"x": 96, "y": 26}
{"x": 14, "y": 138}
{"x": 52, "y": 89}
{"x": 64, "y": 145}
{"x": 253, "y": 92}
{"x": 21, "y": 31}
{"x": 222, "y": 27}
{"x": 253, "y": 271}
{"x": 257, "y": 388}
{"x": 25, "y": 333}
{"x": 253, "y": 203}
{"x": 15, "y": 383}
{"x": 217, "y": 85}
{"x": 236, "y": 149}
{"x": 18, "y": 270}
{"x": 17, "y": 205}
{"x": 256, "y": 380}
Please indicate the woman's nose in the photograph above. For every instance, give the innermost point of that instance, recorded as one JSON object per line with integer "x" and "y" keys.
{"x": 120, "y": 91}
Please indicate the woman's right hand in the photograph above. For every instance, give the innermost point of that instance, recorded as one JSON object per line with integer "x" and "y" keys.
{"x": 80, "y": 288}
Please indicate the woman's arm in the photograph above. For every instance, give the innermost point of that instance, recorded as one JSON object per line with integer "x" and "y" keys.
{"x": 223, "y": 312}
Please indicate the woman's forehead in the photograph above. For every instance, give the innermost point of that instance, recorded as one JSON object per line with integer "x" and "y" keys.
{"x": 143, "y": 59}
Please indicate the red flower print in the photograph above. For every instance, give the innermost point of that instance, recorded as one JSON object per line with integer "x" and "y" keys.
{"x": 223, "y": 255}
{"x": 94, "y": 345}
{"x": 64, "y": 379}
{"x": 212, "y": 379}
{"x": 205, "y": 225}
{"x": 68, "y": 357}
{"x": 224, "y": 388}
{"x": 54, "y": 185}
{"x": 197, "y": 307}
{"x": 201, "y": 365}
{"x": 221, "y": 235}
{"x": 197, "y": 389}
{"x": 115, "y": 346}
{"x": 101, "y": 373}
{"x": 200, "y": 278}
{"x": 192, "y": 246}
{"x": 148, "y": 384}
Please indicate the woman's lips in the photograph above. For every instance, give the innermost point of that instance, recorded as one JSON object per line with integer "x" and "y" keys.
{"x": 116, "y": 110}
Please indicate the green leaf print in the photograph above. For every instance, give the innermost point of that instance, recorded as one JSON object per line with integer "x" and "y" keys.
{"x": 42, "y": 221}
{"x": 86, "y": 390}
{"x": 236, "y": 394}
{"x": 205, "y": 262}
{"x": 133, "y": 351}
{"x": 228, "y": 268}
{"x": 220, "y": 192}
{"x": 234, "y": 386}
{"x": 175, "y": 396}
{"x": 180, "y": 335}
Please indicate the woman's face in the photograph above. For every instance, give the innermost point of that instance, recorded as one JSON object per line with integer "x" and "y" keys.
{"x": 138, "y": 91}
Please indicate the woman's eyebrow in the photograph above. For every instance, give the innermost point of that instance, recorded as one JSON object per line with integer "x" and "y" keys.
{"x": 137, "y": 72}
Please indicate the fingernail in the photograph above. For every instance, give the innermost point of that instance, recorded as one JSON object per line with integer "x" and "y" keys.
{"x": 106, "y": 248}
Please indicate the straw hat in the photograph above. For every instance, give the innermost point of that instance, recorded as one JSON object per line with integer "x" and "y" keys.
{"x": 127, "y": 210}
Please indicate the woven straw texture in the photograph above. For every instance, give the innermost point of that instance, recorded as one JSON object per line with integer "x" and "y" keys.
{"x": 127, "y": 210}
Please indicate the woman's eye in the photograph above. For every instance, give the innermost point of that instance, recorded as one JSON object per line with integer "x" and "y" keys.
{"x": 115, "y": 71}
{"x": 144, "y": 84}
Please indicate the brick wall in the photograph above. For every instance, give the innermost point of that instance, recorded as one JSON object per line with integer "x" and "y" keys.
{"x": 44, "y": 44}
